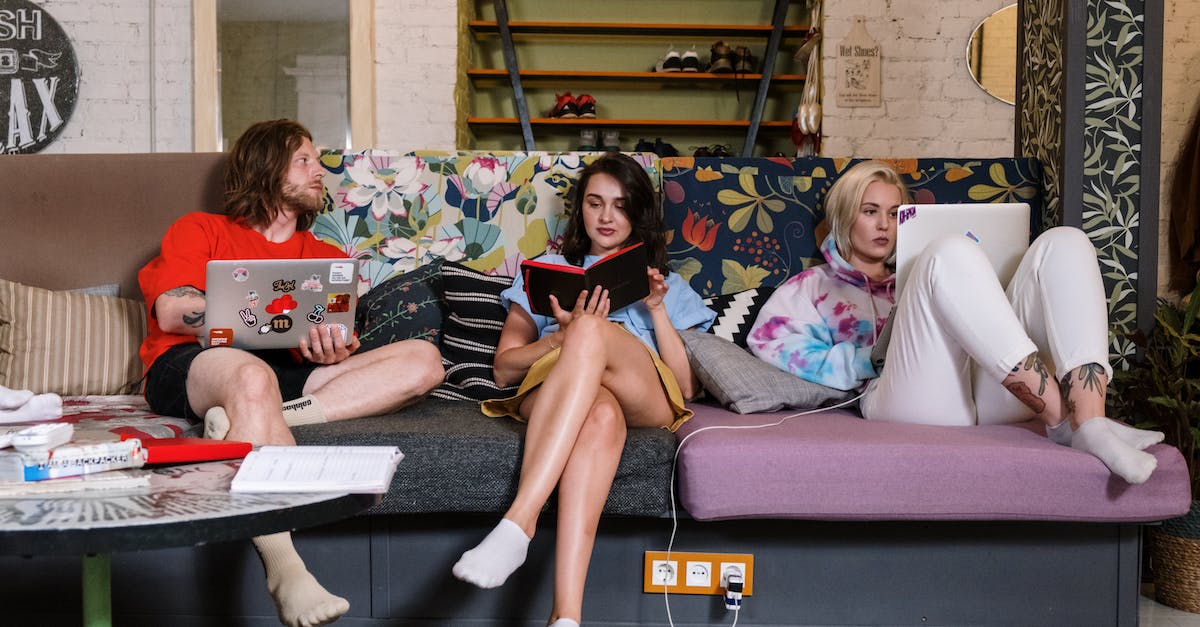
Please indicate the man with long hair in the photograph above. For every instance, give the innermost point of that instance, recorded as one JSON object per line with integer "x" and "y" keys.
{"x": 273, "y": 192}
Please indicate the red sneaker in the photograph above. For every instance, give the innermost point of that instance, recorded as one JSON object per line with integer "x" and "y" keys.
{"x": 585, "y": 106}
{"x": 565, "y": 106}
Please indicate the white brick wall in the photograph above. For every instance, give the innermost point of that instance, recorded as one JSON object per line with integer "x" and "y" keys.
{"x": 117, "y": 109}
{"x": 416, "y": 57}
{"x": 1180, "y": 96}
{"x": 931, "y": 105}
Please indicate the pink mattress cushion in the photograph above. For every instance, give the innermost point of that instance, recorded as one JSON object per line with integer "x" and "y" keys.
{"x": 836, "y": 466}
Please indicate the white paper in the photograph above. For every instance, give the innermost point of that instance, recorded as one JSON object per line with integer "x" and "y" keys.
{"x": 353, "y": 469}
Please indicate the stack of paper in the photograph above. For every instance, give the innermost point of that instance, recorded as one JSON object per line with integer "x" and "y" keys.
{"x": 353, "y": 469}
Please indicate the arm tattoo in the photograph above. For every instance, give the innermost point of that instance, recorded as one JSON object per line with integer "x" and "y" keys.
{"x": 195, "y": 320}
{"x": 183, "y": 290}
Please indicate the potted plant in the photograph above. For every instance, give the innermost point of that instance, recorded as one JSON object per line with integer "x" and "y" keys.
{"x": 1162, "y": 391}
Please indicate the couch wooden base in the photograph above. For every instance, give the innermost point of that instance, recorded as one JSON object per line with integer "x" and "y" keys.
{"x": 395, "y": 570}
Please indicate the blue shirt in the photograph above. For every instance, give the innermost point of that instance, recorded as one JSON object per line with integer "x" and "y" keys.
{"x": 684, "y": 306}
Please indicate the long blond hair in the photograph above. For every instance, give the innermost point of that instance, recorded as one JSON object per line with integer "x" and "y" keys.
{"x": 845, "y": 198}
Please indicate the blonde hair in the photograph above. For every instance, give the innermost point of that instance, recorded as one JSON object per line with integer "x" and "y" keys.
{"x": 845, "y": 198}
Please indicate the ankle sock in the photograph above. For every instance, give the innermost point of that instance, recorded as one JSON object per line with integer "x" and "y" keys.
{"x": 303, "y": 411}
{"x": 1140, "y": 439}
{"x": 1098, "y": 438}
{"x": 13, "y": 399}
{"x": 299, "y": 599}
{"x": 563, "y": 622}
{"x": 38, "y": 407}
{"x": 499, "y": 555}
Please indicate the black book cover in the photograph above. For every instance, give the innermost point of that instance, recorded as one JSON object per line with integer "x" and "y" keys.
{"x": 622, "y": 273}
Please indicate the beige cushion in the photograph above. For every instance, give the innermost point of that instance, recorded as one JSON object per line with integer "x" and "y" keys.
{"x": 69, "y": 343}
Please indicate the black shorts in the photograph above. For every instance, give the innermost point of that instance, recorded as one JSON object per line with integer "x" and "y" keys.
{"x": 166, "y": 380}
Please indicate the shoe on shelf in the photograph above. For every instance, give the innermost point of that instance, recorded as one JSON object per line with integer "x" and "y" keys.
{"x": 700, "y": 151}
{"x": 721, "y": 59}
{"x": 587, "y": 140}
{"x": 690, "y": 60}
{"x": 564, "y": 106}
{"x": 610, "y": 140}
{"x": 743, "y": 60}
{"x": 664, "y": 149}
{"x": 585, "y": 106}
{"x": 669, "y": 62}
{"x": 643, "y": 146}
{"x": 720, "y": 150}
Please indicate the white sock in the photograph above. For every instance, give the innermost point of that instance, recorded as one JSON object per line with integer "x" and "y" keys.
{"x": 1140, "y": 439}
{"x": 497, "y": 557}
{"x": 563, "y": 622}
{"x": 39, "y": 407}
{"x": 1125, "y": 461}
{"x": 216, "y": 423}
{"x": 12, "y": 399}
{"x": 300, "y": 600}
{"x": 303, "y": 411}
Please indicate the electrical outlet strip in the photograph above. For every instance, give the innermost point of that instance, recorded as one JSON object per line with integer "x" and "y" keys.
{"x": 696, "y": 573}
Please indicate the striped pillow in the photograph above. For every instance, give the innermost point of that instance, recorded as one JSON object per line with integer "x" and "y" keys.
{"x": 471, "y": 332}
{"x": 69, "y": 343}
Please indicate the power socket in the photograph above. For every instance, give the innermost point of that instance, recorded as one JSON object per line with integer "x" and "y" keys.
{"x": 701, "y": 573}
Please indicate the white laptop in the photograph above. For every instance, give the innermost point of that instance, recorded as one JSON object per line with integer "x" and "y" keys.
{"x": 1001, "y": 229}
{"x": 272, "y": 303}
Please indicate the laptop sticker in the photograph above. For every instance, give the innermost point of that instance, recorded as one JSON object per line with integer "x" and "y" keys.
{"x": 280, "y": 285}
{"x": 241, "y": 274}
{"x": 279, "y": 324}
{"x": 341, "y": 273}
{"x": 312, "y": 284}
{"x": 338, "y": 303}
{"x": 252, "y": 298}
{"x": 282, "y": 305}
{"x": 220, "y": 337}
{"x": 248, "y": 317}
{"x": 317, "y": 316}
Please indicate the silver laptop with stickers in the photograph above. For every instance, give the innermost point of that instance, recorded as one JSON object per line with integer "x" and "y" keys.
{"x": 1000, "y": 229}
{"x": 272, "y": 303}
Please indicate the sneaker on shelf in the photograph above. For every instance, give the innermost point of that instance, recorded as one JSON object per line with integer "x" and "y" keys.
{"x": 587, "y": 140}
{"x": 610, "y": 140}
{"x": 664, "y": 149}
{"x": 721, "y": 60}
{"x": 585, "y": 106}
{"x": 720, "y": 150}
{"x": 669, "y": 62}
{"x": 564, "y": 106}
{"x": 690, "y": 60}
{"x": 643, "y": 146}
{"x": 743, "y": 60}
{"x": 700, "y": 151}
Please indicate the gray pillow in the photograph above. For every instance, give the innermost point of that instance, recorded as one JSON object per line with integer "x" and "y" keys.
{"x": 746, "y": 384}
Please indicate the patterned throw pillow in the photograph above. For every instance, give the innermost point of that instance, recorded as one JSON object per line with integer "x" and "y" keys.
{"x": 474, "y": 319}
{"x": 404, "y": 307}
{"x": 748, "y": 385}
{"x": 736, "y": 313}
{"x": 69, "y": 343}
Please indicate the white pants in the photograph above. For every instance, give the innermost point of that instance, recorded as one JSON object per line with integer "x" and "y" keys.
{"x": 957, "y": 335}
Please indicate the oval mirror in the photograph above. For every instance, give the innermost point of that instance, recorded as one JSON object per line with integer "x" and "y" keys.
{"x": 992, "y": 54}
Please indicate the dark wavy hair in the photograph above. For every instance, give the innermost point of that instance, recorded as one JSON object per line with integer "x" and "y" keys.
{"x": 254, "y": 174}
{"x": 1183, "y": 234}
{"x": 641, "y": 207}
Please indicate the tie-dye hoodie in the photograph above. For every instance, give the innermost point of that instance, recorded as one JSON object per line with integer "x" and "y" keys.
{"x": 820, "y": 324}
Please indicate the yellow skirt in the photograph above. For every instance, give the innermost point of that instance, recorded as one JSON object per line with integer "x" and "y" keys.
{"x": 511, "y": 406}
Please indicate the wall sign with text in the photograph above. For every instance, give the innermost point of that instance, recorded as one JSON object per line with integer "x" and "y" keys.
{"x": 859, "y": 72}
{"x": 39, "y": 77}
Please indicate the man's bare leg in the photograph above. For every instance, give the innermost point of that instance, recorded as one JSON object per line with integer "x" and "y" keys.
{"x": 245, "y": 389}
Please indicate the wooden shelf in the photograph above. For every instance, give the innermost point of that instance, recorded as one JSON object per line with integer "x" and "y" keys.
{"x": 689, "y": 79}
{"x": 578, "y": 122}
{"x": 646, "y": 30}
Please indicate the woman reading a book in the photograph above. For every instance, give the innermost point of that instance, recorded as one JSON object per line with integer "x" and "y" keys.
{"x": 961, "y": 351}
{"x": 586, "y": 375}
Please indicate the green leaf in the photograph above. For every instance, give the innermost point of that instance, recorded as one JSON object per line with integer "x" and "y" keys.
{"x": 739, "y": 278}
{"x": 687, "y": 267}
{"x": 740, "y": 218}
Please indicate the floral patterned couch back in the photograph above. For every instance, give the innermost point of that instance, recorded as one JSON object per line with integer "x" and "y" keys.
{"x": 733, "y": 223}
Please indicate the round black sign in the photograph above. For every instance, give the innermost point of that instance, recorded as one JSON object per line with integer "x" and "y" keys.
{"x": 39, "y": 77}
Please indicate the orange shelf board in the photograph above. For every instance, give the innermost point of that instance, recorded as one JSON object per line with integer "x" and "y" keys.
{"x": 619, "y": 28}
{"x": 612, "y": 122}
{"x": 648, "y": 76}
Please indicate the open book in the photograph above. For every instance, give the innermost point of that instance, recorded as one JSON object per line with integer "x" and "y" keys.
{"x": 622, "y": 273}
{"x": 353, "y": 469}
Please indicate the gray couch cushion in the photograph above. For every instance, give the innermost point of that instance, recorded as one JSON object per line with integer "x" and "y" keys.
{"x": 458, "y": 460}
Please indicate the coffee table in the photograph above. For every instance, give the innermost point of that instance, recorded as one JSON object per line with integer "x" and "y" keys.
{"x": 184, "y": 505}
